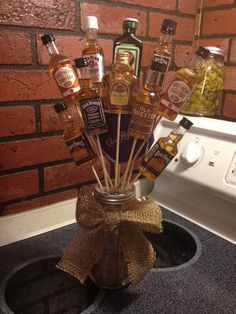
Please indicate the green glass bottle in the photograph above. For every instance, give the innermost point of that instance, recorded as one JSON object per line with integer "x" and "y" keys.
{"x": 129, "y": 43}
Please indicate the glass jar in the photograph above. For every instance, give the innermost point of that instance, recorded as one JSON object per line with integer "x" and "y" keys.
{"x": 111, "y": 271}
{"x": 206, "y": 98}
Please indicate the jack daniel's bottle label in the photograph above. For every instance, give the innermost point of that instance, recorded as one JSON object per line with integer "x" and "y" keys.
{"x": 108, "y": 140}
{"x": 159, "y": 67}
{"x": 79, "y": 149}
{"x": 93, "y": 113}
{"x": 157, "y": 159}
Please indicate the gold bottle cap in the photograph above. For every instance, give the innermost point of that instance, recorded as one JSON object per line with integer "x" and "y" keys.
{"x": 123, "y": 57}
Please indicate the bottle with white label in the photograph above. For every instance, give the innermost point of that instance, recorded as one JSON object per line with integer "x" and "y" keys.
{"x": 93, "y": 52}
{"x": 182, "y": 86}
{"x": 64, "y": 75}
{"x": 76, "y": 141}
{"x": 163, "y": 151}
{"x": 90, "y": 102}
{"x": 128, "y": 42}
{"x": 163, "y": 51}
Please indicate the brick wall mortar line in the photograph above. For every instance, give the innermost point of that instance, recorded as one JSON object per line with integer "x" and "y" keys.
{"x": 36, "y": 166}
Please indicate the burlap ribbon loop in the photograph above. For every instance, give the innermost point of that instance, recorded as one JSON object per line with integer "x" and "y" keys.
{"x": 97, "y": 223}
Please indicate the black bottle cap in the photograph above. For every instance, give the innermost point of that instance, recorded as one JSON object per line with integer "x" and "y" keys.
{"x": 168, "y": 27}
{"x": 60, "y": 106}
{"x": 203, "y": 52}
{"x": 185, "y": 123}
{"x": 81, "y": 62}
{"x": 47, "y": 38}
{"x": 130, "y": 22}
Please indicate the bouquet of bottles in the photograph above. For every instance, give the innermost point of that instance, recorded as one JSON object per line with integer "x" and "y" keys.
{"x": 109, "y": 118}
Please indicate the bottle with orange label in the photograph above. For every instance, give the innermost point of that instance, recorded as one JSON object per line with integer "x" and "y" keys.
{"x": 118, "y": 86}
{"x": 182, "y": 86}
{"x": 64, "y": 75}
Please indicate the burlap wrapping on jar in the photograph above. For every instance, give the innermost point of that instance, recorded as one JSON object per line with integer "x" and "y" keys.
{"x": 97, "y": 223}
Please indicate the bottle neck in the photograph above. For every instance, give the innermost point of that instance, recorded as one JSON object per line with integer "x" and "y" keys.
{"x": 68, "y": 123}
{"x": 165, "y": 38}
{"x": 176, "y": 135}
{"x": 52, "y": 48}
{"x": 129, "y": 30}
{"x": 91, "y": 34}
{"x": 120, "y": 67}
{"x": 85, "y": 83}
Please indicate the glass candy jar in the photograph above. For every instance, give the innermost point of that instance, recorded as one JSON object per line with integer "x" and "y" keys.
{"x": 207, "y": 95}
{"x": 111, "y": 271}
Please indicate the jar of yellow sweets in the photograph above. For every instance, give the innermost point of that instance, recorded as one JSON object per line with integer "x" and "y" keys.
{"x": 206, "y": 99}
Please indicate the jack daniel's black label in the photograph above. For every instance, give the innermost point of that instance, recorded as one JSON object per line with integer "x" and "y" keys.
{"x": 108, "y": 140}
{"x": 160, "y": 64}
{"x": 93, "y": 113}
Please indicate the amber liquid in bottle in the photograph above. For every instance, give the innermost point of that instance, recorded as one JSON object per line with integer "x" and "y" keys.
{"x": 65, "y": 76}
{"x": 129, "y": 42}
{"x": 93, "y": 52}
{"x": 144, "y": 112}
{"x": 177, "y": 94}
{"x": 76, "y": 141}
{"x": 118, "y": 86}
{"x": 91, "y": 107}
{"x": 182, "y": 86}
{"x": 163, "y": 51}
{"x": 163, "y": 151}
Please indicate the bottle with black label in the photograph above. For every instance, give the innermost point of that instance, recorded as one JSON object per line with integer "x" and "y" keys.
{"x": 93, "y": 52}
{"x": 163, "y": 151}
{"x": 90, "y": 102}
{"x": 75, "y": 139}
{"x": 131, "y": 44}
{"x": 163, "y": 51}
{"x": 144, "y": 111}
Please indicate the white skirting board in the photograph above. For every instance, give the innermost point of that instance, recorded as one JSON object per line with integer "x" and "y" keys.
{"x": 27, "y": 224}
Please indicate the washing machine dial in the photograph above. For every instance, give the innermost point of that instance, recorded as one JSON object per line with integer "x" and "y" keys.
{"x": 191, "y": 154}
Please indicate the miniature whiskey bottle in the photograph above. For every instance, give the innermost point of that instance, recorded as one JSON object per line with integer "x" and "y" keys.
{"x": 181, "y": 86}
{"x": 93, "y": 52}
{"x": 118, "y": 86}
{"x": 61, "y": 68}
{"x": 163, "y": 151}
{"x": 163, "y": 51}
{"x": 129, "y": 43}
{"x": 145, "y": 104}
{"x": 75, "y": 139}
{"x": 64, "y": 75}
{"x": 90, "y": 103}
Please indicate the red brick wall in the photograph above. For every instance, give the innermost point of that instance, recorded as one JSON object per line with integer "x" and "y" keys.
{"x": 218, "y": 27}
{"x": 35, "y": 166}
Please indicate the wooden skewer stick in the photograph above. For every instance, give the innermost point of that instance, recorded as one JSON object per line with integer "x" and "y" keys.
{"x": 102, "y": 162}
{"x": 117, "y": 151}
{"x": 130, "y": 173}
{"x": 135, "y": 179}
{"x": 129, "y": 163}
{"x": 100, "y": 156}
{"x": 140, "y": 149}
{"x": 98, "y": 180}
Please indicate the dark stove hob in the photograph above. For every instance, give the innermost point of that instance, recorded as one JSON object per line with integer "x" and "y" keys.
{"x": 40, "y": 287}
{"x": 174, "y": 246}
